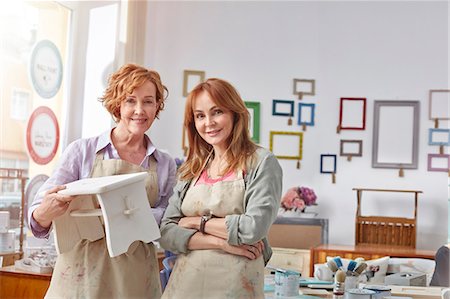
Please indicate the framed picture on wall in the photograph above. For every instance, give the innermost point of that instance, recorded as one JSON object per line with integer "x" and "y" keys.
{"x": 286, "y": 145}
{"x": 304, "y": 87}
{"x": 283, "y": 107}
{"x": 327, "y": 163}
{"x": 352, "y": 114}
{"x": 352, "y": 148}
{"x": 306, "y": 114}
{"x": 254, "y": 111}
{"x": 191, "y": 79}
{"x": 396, "y": 134}
{"x": 439, "y": 101}
{"x": 438, "y": 162}
{"x": 439, "y": 137}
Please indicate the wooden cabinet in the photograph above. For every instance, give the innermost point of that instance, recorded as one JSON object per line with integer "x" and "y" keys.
{"x": 298, "y": 233}
{"x": 291, "y": 259}
{"x": 368, "y": 252}
{"x": 16, "y": 283}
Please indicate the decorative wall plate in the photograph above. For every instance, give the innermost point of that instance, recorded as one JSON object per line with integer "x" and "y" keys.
{"x": 42, "y": 135}
{"x": 46, "y": 69}
{"x": 30, "y": 192}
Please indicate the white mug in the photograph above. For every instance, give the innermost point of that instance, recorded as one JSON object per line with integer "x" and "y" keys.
{"x": 322, "y": 272}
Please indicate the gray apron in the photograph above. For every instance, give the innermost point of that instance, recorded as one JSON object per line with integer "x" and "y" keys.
{"x": 87, "y": 271}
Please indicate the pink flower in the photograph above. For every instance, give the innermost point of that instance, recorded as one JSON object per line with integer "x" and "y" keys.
{"x": 298, "y": 198}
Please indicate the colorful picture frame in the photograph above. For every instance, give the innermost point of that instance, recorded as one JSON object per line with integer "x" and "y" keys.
{"x": 439, "y": 101}
{"x": 190, "y": 79}
{"x": 439, "y": 137}
{"x": 304, "y": 87}
{"x": 254, "y": 109}
{"x": 352, "y": 114}
{"x": 306, "y": 113}
{"x": 352, "y": 148}
{"x": 286, "y": 145}
{"x": 439, "y": 162}
{"x": 394, "y": 145}
{"x": 283, "y": 107}
{"x": 328, "y": 163}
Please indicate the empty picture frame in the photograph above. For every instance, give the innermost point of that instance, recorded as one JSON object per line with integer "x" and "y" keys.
{"x": 439, "y": 137}
{"x": 304, "y": 87}
{"x": 439, "y": 101}
{"x": 438, "y": 162}
{"x": 191, "y": 79}
{"x": 254, "y": 111}
{"x": 327, "y": 163}
{"x": 283, "y": 107}
{"x": 306, "y": 114}
{"x": 352, "y": 114}
{"x": 286, "y": 145}
{"x": 395, "y": 134}
{"x": 352, "y": 148}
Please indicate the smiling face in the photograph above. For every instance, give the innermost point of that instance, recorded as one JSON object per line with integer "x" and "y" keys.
{"x": 213, "y": 124}
{"x": 138, "y": 110}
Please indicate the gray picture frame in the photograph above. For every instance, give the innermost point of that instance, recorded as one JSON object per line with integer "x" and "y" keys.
{"x": 395, "y": 134}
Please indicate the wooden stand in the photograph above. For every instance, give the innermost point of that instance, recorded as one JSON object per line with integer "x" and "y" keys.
{"x": 393, "y": 231}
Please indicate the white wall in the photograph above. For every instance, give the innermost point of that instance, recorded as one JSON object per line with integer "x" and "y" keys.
{"x": 377, "y": 50}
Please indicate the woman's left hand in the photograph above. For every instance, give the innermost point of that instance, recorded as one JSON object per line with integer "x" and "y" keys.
{"x": 190, "y": 222}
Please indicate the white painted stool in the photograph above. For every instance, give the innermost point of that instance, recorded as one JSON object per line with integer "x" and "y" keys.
{"x": 124, "y": 206}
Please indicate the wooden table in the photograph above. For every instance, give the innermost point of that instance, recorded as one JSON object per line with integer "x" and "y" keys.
{"x": 15, "y": 283}
{"x": 368, "y": 252}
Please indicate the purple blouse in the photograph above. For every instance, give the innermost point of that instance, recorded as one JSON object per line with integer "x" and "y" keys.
{"x": 77, "y": 161}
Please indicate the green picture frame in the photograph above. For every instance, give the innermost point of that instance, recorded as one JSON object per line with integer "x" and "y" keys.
{"x": 254, "y": 109}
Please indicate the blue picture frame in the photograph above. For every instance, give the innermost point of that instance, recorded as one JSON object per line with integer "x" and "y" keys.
{"x": 431, "y": 132}
{"x": 326, "y": 156}
{"x": 278, "y": 103}
{"x": 301, "y": 106}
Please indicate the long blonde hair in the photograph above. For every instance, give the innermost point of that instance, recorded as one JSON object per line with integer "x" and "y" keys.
{"x": 241, "y": 149}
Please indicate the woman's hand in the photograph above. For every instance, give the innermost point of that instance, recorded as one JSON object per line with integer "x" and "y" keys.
{"x": 190, "y": 222}
{"x": 53, "y": 205}
{"x": 251, "y": 252}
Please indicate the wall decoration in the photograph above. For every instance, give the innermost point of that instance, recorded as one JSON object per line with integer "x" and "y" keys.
{"x": 46, "y": 69}
{"x": 438, "y": 162}
{"x": 283, "y": 107}
{"x": 254, "y": 109}
{"x": 191, "y": 79}
{"x": 439, "y": 101}
{"x": 184, "y": 141}
{"x": 351, "y": 148}
{"x": 287, "y": 145}
{"x": 328, "y": 163}
{"x": 306, "y": 113}
{"x": 30, "y": 192}
{"x": 42, "y": 135}
{"x": 304, "y": 87}
{"x": 439, "y": 137}
{"x": 352, "y": 114}
{"x": 396, "y": 135}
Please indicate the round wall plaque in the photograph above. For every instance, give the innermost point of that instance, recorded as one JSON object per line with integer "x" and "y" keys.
{"x": 30, "y": 192}
{"x": 46, "y": 69}
{"x": 42, "y": 135}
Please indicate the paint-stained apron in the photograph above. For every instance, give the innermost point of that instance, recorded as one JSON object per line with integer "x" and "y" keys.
{"x": 87, "y": 271}
{"x": 213, "y": 274}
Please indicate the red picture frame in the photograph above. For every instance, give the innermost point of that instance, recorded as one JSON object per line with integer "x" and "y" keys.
{"x": 347, "y": 108}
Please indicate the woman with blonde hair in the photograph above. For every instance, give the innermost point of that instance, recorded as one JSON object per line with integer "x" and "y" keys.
{"x": 226, "y": 199}
{"x": 134, "y": 97}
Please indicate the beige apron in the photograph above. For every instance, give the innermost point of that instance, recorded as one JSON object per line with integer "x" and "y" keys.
{"x": 213, "y": 274}
{"x": 87, "y": 271}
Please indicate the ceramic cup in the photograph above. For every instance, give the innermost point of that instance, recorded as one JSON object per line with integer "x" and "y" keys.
{"x": 322, "y": 272}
